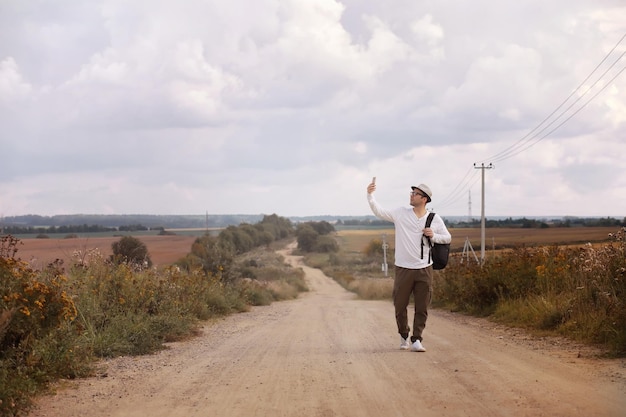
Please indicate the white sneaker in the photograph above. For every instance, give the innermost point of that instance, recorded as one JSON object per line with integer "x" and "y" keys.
{"x": 404, "y": 343}
{"x": 417, "y": 347}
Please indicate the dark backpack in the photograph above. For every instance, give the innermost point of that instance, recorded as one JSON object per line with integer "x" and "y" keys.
{"x": 438, "y": 251}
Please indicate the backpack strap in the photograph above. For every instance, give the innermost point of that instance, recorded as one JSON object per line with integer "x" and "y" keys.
{"x": 429, "y": 220}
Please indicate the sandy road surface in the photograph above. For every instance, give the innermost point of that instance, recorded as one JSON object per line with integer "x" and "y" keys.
{"x": 327, "y": 354}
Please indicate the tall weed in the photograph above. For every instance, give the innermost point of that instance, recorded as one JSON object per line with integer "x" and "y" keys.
{"x": 37, "y": 344}
{"x": 54, "y": 322}
{"x": 576, "y": 292}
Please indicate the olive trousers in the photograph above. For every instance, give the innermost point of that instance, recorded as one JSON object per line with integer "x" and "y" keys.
{"x": 416, "y": 282}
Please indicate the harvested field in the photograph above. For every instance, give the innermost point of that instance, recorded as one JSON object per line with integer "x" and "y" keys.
{"x": 163, "y": 250}
{"x": 357, "y": 240}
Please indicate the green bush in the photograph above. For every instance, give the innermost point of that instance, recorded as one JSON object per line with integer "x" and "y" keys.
{"x": 314, "y": 237}
{"x": 326, "y": 244}
{"x": 307, "y": 238}
{"x": 132, "y": 251}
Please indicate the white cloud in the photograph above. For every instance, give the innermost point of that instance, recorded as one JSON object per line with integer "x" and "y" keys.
{"x": 292, "y": 106}
{"x": 12, "y": 85}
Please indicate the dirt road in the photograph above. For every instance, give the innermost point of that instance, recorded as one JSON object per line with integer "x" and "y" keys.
{"x": 328, "y": 354}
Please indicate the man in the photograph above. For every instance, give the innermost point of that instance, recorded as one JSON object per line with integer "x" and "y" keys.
{"x": 413, "y": 263}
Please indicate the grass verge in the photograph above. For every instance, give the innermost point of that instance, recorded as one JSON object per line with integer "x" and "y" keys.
{"x": 578, "y": 292}
{"x": 55, "y": 322}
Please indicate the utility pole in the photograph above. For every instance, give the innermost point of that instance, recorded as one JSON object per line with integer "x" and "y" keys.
{"x": 385, "y": 247}
{"x": 482, "y": 211}
{"x": 469, "y": 206}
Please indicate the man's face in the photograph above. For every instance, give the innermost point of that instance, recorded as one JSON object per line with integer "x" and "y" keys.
{"x": 417, "y": 198}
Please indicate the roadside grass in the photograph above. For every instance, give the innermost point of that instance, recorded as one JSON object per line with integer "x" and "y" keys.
{"x": 264, "y": 277}
{"x": 356, "y": 271}
{"x": 576, "y": 291}
{"x": 56, "y": 322}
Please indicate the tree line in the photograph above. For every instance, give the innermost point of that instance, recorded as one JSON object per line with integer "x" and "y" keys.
{"x": 526, "y": 223}
{"x": 82, "y": 228}
{"x": 34, "y": 224}
{"x": 151, "y": 221}
{"x": 68, "y": 229}
{"x": 216, "y": 254}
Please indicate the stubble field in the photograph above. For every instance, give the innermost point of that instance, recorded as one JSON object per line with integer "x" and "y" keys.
{"x": 165, "y": 250}
{"x": 356, "y": 240}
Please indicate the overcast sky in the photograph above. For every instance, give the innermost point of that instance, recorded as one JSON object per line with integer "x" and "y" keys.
{"x": 291, "y": 106}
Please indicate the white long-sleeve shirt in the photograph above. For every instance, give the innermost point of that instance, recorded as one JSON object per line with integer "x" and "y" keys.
{"x": 409, "y": 233}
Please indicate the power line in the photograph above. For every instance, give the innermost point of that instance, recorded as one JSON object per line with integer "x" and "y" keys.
{"x": 523, "y": 142}
{"x": 532, "y": 137}
{"x": 564, "y": 121}
{"x": 459, "y": 190}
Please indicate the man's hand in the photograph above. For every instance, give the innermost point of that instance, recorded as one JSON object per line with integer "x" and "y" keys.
{"x": 428, "y": 232}
{"x": 371, "y": 188}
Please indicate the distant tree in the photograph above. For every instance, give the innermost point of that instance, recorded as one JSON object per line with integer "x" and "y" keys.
{"x": 130, "y": 250}
{"x": 323, "y": 227}
{"x": 251, "y": 231}
{"x": 307, "y": 237}
{"x": 133, "y": 228}
{"x": 266, "y": 238}
{"x": 313, "y": 237}
{"x": 279, "y": 227}
{"x": 240, "y": 240}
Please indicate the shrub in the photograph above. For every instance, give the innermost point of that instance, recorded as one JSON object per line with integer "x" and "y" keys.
{"x": 132, "y": 251}
{"x": 307, "y": 238}
{"x": 37, "y": 341}
{"x": 53, "y": 322}
{"x": 326, "y": 244}
{"x": 374, "y": 248}
{"x": 215, "y": 255}
{"x": 577, "y": 292}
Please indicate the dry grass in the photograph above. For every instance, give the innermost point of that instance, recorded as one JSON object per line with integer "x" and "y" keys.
{"x": 357, "y": 240}
{"x": 372, "y": 288}
{"x": 565, "y": 281}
